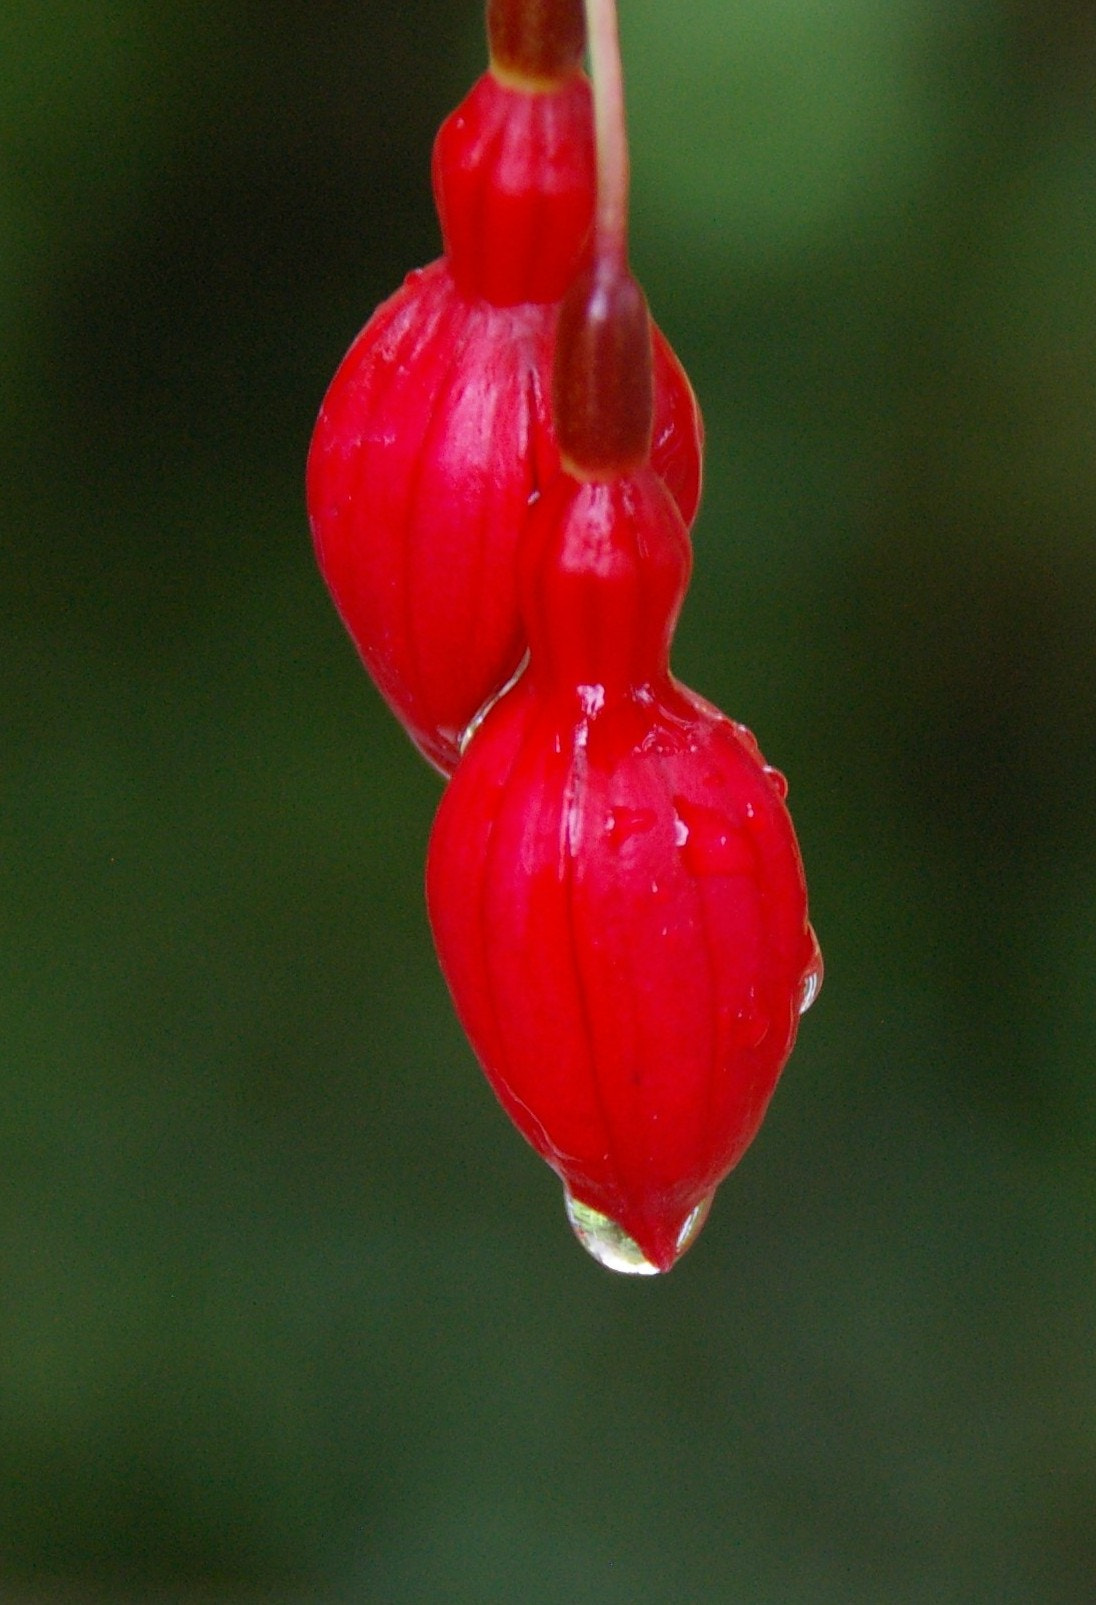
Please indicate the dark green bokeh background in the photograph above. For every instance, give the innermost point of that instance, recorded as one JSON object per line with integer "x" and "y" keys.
{"x": 287, "y": 1311}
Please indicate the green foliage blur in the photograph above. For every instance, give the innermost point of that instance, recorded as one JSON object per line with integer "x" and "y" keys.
{"x": 287, "y": 1311}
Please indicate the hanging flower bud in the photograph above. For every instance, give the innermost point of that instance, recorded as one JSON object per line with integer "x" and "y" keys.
{"x": 615, "y": 889}
{"x": 614, "y": 884}
{"x": 436, "y": 436}
{"x": 512, "y": 186}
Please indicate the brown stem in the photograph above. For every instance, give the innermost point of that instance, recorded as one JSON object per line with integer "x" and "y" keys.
{"x": 535, "y": 42}
{"x": 602, "y": 389}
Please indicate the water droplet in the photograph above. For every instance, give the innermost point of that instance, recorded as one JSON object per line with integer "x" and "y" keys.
{"x": 658, "y": 742}
{"x": 747, "y": 737}
{"x": 591, "y": 699}
{"x": 711, "y": 843}
{"x": 606, "y": 1241}
{"x": 470, "y": 730}
{"x": 622, "y": 824}
{"x": 777, "y": 780}
{"x": 690, "y": 1231}
{"x": 811, "y": 984}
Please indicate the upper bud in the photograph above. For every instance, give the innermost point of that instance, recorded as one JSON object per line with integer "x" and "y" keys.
{"x": 514, "y": 186}
{"x": 536, "y": 40}
{"x": 602, "y": 388}
{"x": 433, "y": 447}
{"x": 435, "y": 440}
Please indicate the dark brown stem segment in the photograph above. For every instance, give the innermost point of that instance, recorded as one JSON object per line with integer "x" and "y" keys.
{"x": 602, "y": 392}
{"x": 536, "y": 39}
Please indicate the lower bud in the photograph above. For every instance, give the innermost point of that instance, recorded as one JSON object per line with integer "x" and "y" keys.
{"x": 616, "y": 893}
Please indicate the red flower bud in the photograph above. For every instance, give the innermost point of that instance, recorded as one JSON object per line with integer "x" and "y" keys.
{"x": 615, "y": 888}
{"x": 435, "y": 436}
{"x": 513, "y": 183}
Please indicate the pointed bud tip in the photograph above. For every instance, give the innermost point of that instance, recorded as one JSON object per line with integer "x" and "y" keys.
{"x": 603, "y": 398}
{"x": 536, "y": 40}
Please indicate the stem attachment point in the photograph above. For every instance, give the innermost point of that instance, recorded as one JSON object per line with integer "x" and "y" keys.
{"x": 535, "y": 42}
{"x": 602, "y": 392}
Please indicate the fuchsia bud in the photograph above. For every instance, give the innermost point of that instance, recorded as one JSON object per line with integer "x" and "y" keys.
{"x": 512, "y": 183}
{"x": 616, "y": 892}
{"x": 436, "y": 437}
{"x": 614, "y": 884}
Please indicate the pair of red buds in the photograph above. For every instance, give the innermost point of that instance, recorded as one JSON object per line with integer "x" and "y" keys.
{"x": 436, "y": 435}
{"x": 613, "y": 880}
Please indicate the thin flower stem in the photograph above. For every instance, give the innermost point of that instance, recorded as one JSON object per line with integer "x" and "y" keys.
{"x": 611, "y": 236}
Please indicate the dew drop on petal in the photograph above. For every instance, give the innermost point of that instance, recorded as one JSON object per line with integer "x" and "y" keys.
{"x": 777, "y": 780}
{"x": 591, "y": 699}
{"x": 811, "y": 983}
{"x": 746, "y": 736}
{"x": 709, "y": 841}
{"x": 609, "y": 1244}
{"x": 690, "y": 1231}
{"x": 622, "y": 824}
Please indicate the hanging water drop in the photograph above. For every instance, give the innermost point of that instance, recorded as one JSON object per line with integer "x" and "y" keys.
{"x": 811, "y": 983}
{"x": 690, "y": 1231}
{"x": 609, "y": 1243}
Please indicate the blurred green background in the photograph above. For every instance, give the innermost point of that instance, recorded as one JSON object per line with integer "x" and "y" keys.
{"x": 287, "y": 1311}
